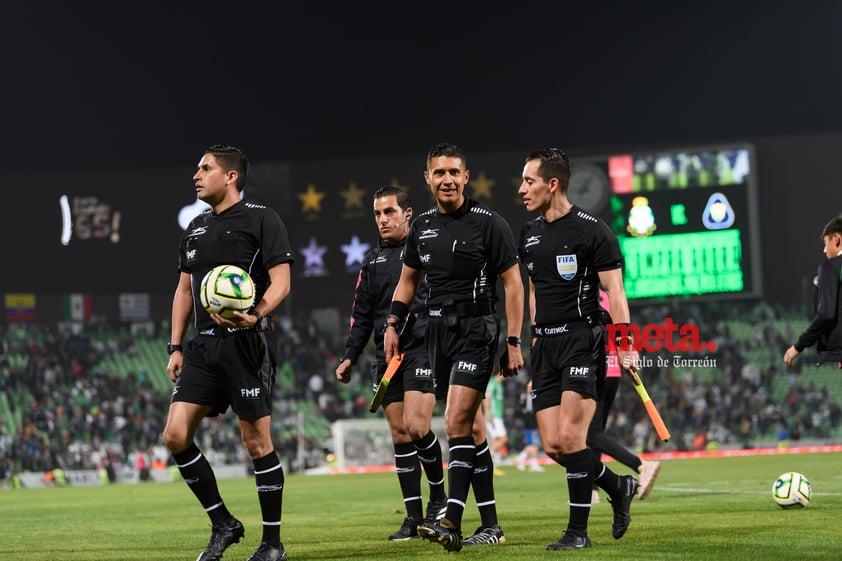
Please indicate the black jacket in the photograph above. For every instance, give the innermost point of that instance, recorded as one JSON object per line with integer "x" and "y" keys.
{"x": 376, "y": 284}
{"x": 825, "y": 331}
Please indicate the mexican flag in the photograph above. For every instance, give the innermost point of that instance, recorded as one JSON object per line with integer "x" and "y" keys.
{"x": 77, "y": 307}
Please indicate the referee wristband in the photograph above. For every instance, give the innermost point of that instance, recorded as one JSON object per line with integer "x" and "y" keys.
{"x": 399, "y": 310}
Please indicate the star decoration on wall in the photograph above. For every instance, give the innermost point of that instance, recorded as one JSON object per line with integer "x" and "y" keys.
{"x": 314, "y": 265}
{"x": 353, "y": 196}
{"x": 517, "y": 199}
{"x": 482, "y": 186}
{"x": 396, "y": 183}
{"x": 311, "y": 199}
{"x": 355, "y": 253}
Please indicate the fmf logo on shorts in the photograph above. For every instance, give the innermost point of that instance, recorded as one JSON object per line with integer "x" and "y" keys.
{"x": 463, "y": 366}
{"x": 250, "y": 393}
{"x": 654, "y": 337}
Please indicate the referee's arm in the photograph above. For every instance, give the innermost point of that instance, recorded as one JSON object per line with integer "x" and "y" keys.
{"x": 277, "y": 290}
{"x": 182, "y": 310}
{"x": 405, "y": 293}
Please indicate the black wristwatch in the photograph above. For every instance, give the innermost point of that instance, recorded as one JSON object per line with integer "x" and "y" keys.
{"x": 513, "y": 341}
{"x": 172, "y": 348}
{"x": 256, "y": 314}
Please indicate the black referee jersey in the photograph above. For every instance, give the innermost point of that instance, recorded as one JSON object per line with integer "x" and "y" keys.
{"x": 376, "y": 284}
{"x": 249, "y": 235}
{"x": 462, "y": 252}
{"x": 563, "y": 259}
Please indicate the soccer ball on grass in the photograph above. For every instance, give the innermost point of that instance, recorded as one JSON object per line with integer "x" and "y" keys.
{"x": 227, "y": 289}
{"x": 792, "y": 490}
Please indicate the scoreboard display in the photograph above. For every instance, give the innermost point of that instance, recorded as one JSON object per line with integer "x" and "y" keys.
{"x": 687, "y": 219}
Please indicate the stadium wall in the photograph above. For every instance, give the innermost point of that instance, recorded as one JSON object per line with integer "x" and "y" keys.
{"x": 89, "y": 233}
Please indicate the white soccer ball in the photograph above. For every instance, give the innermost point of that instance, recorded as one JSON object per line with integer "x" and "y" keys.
{"x": 792, "y": 490}
{"x": 227, "y": 289}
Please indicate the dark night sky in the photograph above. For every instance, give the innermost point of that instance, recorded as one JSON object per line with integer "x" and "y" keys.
{"x": 147, "y": 85}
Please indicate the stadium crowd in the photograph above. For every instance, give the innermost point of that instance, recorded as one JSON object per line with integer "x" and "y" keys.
{"x": 60, "y": 408}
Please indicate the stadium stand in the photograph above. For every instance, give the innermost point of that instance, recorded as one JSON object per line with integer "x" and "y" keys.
{"x": 79, "y": 397}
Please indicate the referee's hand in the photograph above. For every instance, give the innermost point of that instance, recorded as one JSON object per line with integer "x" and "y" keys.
{"x": 390, "y": 343}
{"x": 343, "y": 371}
{"x": 790, "y": 355}
{"x": 240, "y": 320}
{"x": 175, "y": 364}
{"x": 629, "y": 360}
{"x": 511, "y": 363}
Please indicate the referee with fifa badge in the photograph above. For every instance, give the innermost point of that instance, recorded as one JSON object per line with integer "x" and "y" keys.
{"x": 231, "y": 362}
{"x": 568, "y": 253}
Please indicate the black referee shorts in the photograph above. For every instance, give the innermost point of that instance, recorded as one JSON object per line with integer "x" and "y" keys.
{"x": 236, "y": 371}
{"x": 574, "y": 361}
{"x": 414, "y": 374}
{"x": 462, "y": 355}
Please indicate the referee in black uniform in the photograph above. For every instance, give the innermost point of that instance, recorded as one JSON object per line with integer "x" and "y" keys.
{"x": 460, "y": 247}
{"x": 231, "y": 362}
{"x": 568, "y": 253}
{"x": 411, "y": 395}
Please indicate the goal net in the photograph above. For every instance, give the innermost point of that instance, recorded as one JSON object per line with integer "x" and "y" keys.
{"x": 368, "y": 442}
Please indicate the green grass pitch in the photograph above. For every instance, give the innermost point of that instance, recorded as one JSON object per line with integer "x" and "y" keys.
{"x": 704, "y": 508}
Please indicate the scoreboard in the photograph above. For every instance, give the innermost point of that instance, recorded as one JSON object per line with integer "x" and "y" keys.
{"x": 686, "y": 219}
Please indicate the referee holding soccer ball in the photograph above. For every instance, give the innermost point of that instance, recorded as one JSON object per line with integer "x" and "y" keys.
{"x": 231, "y": 363}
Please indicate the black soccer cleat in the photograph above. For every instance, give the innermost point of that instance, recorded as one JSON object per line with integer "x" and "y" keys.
{"x": 436, "y": 510}
{"x": 407, "y": 531}
{"x": 443, "y": 532}
{"x": 266, "y": 552}
{"x": 621, "y": 503}
{"x": 222, "y": 535}
{"x": 570, "y": 541}
{"x": 486, "y": 536}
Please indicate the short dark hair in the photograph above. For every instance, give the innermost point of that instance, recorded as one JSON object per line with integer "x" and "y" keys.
{"x": 447, "y": 150}
{"x": 402, "y": 197}
{"x": 833, "y": 227}
{"x": 554, "y": 163}
{"x": 231, "y": 158}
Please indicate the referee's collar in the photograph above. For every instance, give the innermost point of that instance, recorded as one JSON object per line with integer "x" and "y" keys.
{"x": 466, "y": 207}
{"x": 383, "y": 244}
